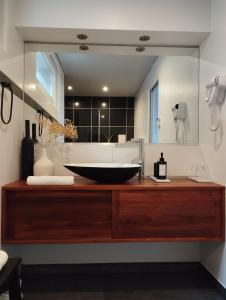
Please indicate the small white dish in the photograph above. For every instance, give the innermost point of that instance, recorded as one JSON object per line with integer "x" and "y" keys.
{"x": 199, "y": 179}
{"x": 159, "y": 180}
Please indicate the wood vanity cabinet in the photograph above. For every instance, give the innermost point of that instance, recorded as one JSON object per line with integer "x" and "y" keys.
{"x": 168, "y": 214}
{"x": 131, "y": 212}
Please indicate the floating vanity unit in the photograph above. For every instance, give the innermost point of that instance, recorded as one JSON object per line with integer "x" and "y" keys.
{"x": 134, "y": 211}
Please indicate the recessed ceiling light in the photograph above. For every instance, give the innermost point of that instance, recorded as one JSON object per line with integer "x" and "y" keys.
{"x": 77, "y": 104}
{"x": 104, "y": 104}
{"x": 144, "y": 38}
{"x": 82, "y": 36}
{"x": 84, "y": 48}
{"x": 105, "y": 88}
{"x": 69, "y": 87}
{"x": 140, "y": 49}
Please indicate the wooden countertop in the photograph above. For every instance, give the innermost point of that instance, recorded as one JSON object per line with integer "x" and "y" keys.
{"x": 146, "y": 183}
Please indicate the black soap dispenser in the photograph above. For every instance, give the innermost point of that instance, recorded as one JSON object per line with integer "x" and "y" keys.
{"x": 161, "y": 168}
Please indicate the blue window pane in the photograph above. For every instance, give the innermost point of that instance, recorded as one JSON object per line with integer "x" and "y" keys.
{"x": 44, "y": 74}
{"x": 154, "y": 114}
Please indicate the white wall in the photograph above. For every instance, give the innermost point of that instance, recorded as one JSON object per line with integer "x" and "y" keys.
{"x": 11, "y": 63}
{"x": 173, "y": 15}
{"x": 178, "y": 82}
{"x": 213, "y": 144}
{"x": 11, "y": 45}
{"x": 181, "y": 159}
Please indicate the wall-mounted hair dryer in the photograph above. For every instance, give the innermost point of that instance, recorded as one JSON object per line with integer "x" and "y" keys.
{"x": 179, "y": 111}
{"x": 215, "y": 96}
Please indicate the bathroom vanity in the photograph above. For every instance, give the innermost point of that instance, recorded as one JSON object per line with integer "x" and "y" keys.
{"x": 88, "y": 212}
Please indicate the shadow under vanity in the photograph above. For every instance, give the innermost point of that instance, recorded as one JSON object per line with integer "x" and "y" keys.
{"x": 135, "y": 211}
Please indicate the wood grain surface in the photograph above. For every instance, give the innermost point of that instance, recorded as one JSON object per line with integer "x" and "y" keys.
{"x": 88, "y": 212}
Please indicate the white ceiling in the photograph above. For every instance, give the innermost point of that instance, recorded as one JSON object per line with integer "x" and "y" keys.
{"x": 88, "y": 73}
{"x": 66, "y": 35}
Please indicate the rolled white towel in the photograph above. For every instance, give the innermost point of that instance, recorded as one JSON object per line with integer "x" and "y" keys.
{"x": 3, "y": 258}
{"x": 50, "y": 180}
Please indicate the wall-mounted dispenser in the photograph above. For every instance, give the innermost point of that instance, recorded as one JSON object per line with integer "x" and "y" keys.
{"x": 179, "y": 113}
{"x": 6, "y": 85}
{"x": 215, "y": 96}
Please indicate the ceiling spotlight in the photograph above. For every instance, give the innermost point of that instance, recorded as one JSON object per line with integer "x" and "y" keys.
{"x": 105, "y": 88}
{"x": 82, "y": 36}
{"x": 104, "y": 104}
{"x": 144, "y": 38}
{"x": 84, "y": 48}
{"x": 140, "y": 49}
{"x": 76, "y": 104}
{"x": 102, "y": 117}
{"x": 69, "y": 87}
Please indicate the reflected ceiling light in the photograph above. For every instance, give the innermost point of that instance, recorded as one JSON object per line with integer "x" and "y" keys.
{"x": 82, "y": 36}
{"x": 104, "y": 104}
{"x": 83, "y": 47}
{"x": 102, "y": 116}
{"x": 32, "y": 87}
{"x": 105, "y": 89}
{"x": 69, "y": 87}
{"x": 144, "y": 38}
{"x": 140, "y": 49}
{"x": 77, "y": 104}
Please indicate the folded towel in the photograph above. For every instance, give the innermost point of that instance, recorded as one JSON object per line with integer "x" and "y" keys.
{"x": 50, "y": 180}
{"x": 3, "y": 258}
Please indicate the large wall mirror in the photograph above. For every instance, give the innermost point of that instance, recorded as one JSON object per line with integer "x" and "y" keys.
{"x": 115, "y": 94}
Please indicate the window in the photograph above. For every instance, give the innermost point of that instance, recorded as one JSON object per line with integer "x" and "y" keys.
{"x": 154, "y": 95}
{"x": 45, "y": 74}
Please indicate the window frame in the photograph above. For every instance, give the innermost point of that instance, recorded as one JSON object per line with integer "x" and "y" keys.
{"x": 51, "y": 66}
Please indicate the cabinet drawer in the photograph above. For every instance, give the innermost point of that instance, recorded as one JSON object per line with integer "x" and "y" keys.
{"x": 58, "y": 216}
{"x": 168, "y": 214}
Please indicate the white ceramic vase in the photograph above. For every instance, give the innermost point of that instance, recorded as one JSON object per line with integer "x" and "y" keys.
{"x": 44, "y": 166}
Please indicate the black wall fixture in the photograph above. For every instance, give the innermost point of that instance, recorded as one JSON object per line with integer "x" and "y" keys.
{"x": 101, "y": 119}
{"x": 6, "y": 85}
{"x": 40, "y": 122}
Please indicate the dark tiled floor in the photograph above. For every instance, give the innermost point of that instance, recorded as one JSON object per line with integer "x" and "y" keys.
{"x": 148, "y": 282}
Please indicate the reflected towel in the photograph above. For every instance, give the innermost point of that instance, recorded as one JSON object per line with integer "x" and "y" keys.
{"x": 3, "y": 258}
{"x": 50, "y": 180}
{"x": 180, "y": 132}
{"x": 222, "y": 80}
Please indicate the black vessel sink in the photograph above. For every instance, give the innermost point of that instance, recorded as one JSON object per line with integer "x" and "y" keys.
{"x": 105, "y": 172}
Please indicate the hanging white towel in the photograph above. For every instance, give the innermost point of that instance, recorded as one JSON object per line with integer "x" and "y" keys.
{"x": 3, "y": 258}
{"x": 222, "y": 80}
{"x": 180, "y": 132}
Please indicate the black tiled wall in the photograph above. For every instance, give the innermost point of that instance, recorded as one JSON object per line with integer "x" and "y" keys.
{"x": 116, "y": 117}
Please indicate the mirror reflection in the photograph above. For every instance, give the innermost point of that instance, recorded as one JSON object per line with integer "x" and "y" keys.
{"x": 113, "y": 98}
